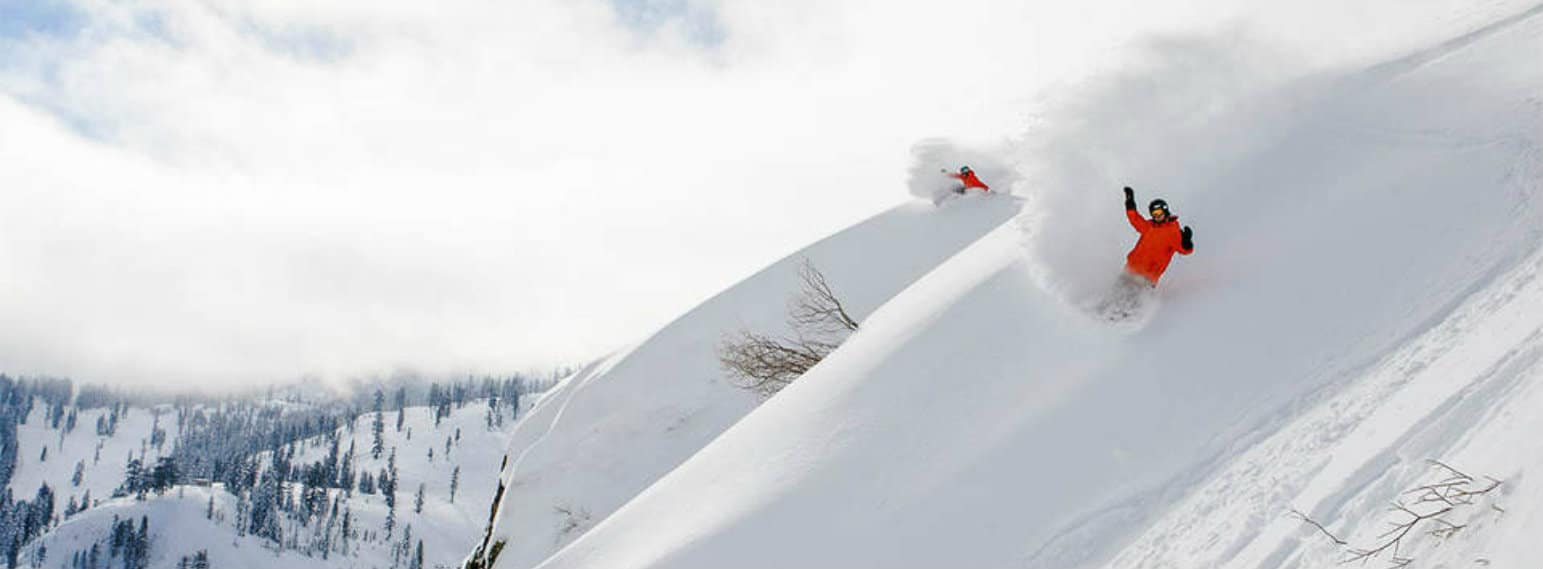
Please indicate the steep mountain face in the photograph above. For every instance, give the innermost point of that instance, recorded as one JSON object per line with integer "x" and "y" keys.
{"x": 615, "y": 428}
{"x": 1362, "y": 298}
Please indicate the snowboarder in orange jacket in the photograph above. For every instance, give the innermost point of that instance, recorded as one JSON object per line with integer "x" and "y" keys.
{"x": 969, "y": 179}
{"x": 1161, "y": 237}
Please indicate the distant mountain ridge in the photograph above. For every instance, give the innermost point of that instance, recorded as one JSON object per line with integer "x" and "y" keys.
{"x": 246, "y": 480}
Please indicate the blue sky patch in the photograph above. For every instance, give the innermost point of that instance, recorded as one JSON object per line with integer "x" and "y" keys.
{"x": 701, "y": 24}
{"x": 21, "y": 18}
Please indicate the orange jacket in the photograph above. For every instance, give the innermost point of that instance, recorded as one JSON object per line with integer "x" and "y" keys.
{"x": 970, "y": 181}
{"x": 1155, "y": 248}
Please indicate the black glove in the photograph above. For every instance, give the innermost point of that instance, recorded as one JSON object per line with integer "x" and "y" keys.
{"x": 1130, "y": 198}
{"x": 1189, "y": 238}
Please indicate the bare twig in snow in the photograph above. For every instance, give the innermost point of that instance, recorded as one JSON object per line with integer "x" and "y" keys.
{"x": 1320, "y": 527}
{"x": 1429, "y": 505}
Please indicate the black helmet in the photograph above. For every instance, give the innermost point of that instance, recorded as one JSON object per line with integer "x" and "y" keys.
{"x": 964, "y": 169}
{"x": 1158, "y": 204}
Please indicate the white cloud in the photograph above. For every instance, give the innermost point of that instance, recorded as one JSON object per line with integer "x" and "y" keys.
{"x": 259, "y": 190}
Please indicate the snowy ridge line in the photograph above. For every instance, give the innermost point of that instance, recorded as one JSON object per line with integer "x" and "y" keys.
{"x": 1420, "y": 58}
{"x": 939, "y": 291}
{"x": 580, "y": 379}
{"x": 567, "y": 397}
{"x": 642, "y": 412}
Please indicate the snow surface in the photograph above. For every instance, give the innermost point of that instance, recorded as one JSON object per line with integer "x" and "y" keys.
{"x": 613, "y": 429}
{"x": 1363, "y": 297}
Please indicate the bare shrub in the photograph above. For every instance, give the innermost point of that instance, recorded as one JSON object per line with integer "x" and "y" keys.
{"x": 765, "y": 363}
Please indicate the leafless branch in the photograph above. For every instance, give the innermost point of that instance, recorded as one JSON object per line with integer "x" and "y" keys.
{"x": 1447, "y": 529}
{"x": 1429, "y": 506}
{"x": 816, "y": 310}
{"x": 766, "y": 363}
{"x": 1444, "y": 466}
{"x": 1320, "y": 527}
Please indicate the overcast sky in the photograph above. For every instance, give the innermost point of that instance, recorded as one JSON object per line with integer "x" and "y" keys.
{"x": 230, "y": 192}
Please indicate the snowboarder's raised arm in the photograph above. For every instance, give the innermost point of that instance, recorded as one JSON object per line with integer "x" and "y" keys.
{"x": 1136, "y": 221}
{"x": 1187, "y": 241}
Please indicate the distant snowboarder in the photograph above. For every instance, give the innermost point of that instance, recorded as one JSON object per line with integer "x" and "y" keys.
{"x": 1161, "y": 237}
{"x": 967, "y": 177}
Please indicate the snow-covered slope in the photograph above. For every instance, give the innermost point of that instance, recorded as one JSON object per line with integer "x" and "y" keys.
{"x": 613, "y": 429}
{"x": 178, "y": 528}
{"x": 1361, "y": 298}
{"x": 466, "y": 453}
{"x": 1466, "y": 392}
{"x": 101, "y": 458}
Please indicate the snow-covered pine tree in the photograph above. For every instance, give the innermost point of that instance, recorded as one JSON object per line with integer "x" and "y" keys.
{"x": 379, "y": 426}
{"x": 347, "y": 531}
{"x": 346, "y": 471}
{"x": 402, "y": 550}
{"x": 330, "y": 469}
{"x": 492, "y": 409}
{"x": 165, "y": 475}
{"x": 401, "y": 407}
{"x": 388, "y": 484}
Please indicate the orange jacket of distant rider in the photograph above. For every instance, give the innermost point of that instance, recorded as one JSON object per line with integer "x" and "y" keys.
{"x": 1155, "y": 248}
{"x": 970, "y": 181}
